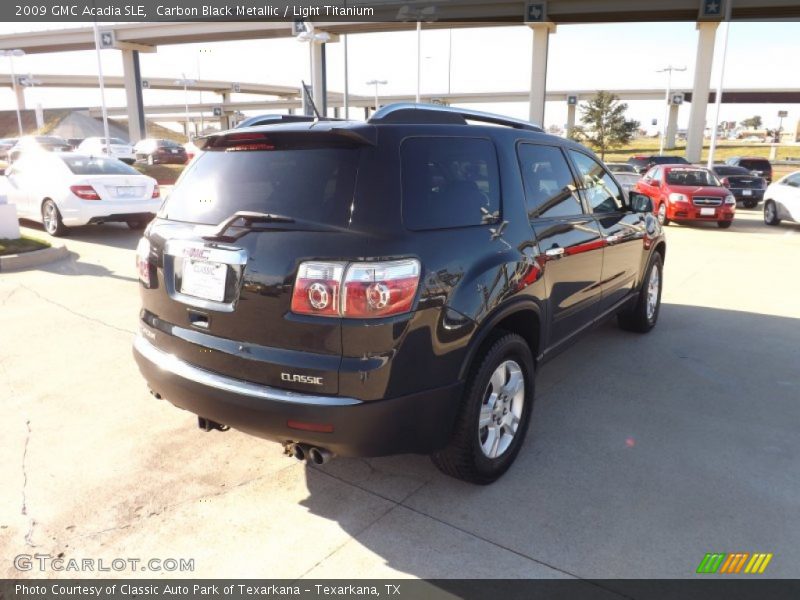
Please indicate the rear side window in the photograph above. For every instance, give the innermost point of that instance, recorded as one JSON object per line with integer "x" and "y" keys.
{"x": 448, "y": 182}
{"x": 313, "y": 184}
{"x": 549, "y": 185}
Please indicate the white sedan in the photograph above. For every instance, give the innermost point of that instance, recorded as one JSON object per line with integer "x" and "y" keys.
{"x": 67, "y": 189}
{"x": 782, "y": 200}
{"x": 97, "y": 146}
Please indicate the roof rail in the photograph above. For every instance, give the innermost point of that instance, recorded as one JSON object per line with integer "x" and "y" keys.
{"x": 406, "y": 112}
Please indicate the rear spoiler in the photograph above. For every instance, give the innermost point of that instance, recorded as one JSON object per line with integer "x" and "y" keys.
{"x": 363, "y": 136}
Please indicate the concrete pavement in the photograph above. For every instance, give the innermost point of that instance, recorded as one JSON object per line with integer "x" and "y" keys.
{"x": 645, "y": 452}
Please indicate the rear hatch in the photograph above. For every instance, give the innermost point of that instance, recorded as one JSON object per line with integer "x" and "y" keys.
{"x": 222, "y": 296}
{"x": 745, "y": 182}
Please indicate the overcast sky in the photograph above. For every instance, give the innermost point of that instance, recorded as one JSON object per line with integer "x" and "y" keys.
{"x": 598, "y": 56}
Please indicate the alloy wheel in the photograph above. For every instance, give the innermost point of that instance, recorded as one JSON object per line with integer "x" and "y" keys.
{"x": 501, "y": 411}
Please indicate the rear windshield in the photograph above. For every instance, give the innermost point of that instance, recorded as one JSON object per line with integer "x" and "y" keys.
{"x": 669, "y": 160}
{"x": 82, "y": 165}
{"x": 168, "y": 144}
{"x": 731, "y": 171}
{"x": 752, "y": 163}
{"x": 691, "y": 177}
{"x": 310, "y": 184}
{"x": 448, "y": 182}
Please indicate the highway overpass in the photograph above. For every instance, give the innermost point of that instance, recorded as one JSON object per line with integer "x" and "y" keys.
{"x": 130, "y": 39}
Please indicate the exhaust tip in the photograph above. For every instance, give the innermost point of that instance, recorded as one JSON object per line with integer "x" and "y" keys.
{"x": 318, "y": 456}
{"x": 298, "y": 451}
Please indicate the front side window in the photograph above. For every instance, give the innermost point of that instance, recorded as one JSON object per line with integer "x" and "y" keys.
{"x": 448, "y": 182}
{"x": 602, "y": 192}
{"x": 550, "y": 189}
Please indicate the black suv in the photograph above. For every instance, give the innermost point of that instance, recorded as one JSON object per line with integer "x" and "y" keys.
{"x": 643, "y": 163}
{"x": 756, "y": 165}
{"x": 389, "y": 286}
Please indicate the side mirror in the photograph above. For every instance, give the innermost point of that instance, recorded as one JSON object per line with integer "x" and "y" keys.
{"x": 655, "y": 183}
{"x": 640, "y": 203}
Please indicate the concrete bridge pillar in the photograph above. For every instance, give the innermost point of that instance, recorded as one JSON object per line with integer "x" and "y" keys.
{"x": 133, "y": 95}
{"x": 672, "y": 127}
{"x": 707, "y": 31}
{"x": 541, "y": 38}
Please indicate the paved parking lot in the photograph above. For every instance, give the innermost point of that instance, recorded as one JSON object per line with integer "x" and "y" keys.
{"x": 645, "y": 452}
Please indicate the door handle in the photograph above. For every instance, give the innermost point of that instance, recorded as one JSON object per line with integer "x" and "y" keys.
{"x": 554, "y": 253}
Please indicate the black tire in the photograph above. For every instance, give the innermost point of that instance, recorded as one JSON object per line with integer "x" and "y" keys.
{"x": 464, "y": 458}
{"x": 724, "y": 224}
{"x": 51, "y": 219}
{"x": 638, "y": 318}
{"x": 751, "y": 203}
{"x": 771, "y": 213}
{"x": 136, "y": 224}
{"x": 661, "y": 215}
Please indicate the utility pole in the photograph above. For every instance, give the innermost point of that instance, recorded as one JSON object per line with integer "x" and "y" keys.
{"x": 668, "y": 70}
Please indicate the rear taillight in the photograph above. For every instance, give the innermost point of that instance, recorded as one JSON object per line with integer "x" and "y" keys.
{"x": 85, "y": 192}
{"x": 379, "y": 289}
{"x": 156, "y": 192}
{"x": 317, "y": 289}
{"x": 356, "y": 290}
{"x": 143, "y": 261}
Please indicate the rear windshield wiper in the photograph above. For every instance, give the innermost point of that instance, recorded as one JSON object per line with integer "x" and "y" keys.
{"x": 248, "y": 218}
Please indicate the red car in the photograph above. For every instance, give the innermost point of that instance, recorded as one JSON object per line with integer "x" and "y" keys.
{"x": 687, "y": 193}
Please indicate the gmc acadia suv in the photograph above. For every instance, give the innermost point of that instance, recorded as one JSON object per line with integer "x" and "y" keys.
{"x": 388, "y": 286}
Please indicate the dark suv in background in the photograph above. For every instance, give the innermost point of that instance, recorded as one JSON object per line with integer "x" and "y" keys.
{"x": 758, "y": 166}
{"x": 389, "y": 286}
{"x": 745, "y": 186}
{"x": 643, "y": 163}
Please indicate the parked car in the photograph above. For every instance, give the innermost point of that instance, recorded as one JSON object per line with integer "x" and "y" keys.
{"x": 6, "y": 144}
{"x": 389, "y": 286}
{"x": 618, "y": 167}
{"x": 625, "y": 174}
{"x": 642, "y": 163}
{"x": 36, "y": 144}
{"x": 117, "y": 148}
{"x": 688, "y": 194}
{"x": 758, "y": 166}
{"x": 782, "y": 200}
{"x": 745, "y": 187}
{"x": 158, "y": 152}
{"x": 62, "y": 190}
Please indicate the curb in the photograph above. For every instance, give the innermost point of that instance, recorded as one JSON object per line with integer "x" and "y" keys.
{"x": 26, "y": 260}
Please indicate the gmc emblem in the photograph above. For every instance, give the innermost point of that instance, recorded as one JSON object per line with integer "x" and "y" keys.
{"x": 196, "y": 253}
{"x": 301, "y": 379}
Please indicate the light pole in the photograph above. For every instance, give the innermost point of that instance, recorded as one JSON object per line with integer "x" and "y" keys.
{"x": 11, "y": 54}
{"x": 419, "y": 59}
{"x": 718, "y": 98}
{"x": 186, "y": 83}
{"x": 376, "y": 83}
{"x": 668, "y": 70}
{"x": 101, "y": 81}
{"x": 202, "y": 116}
